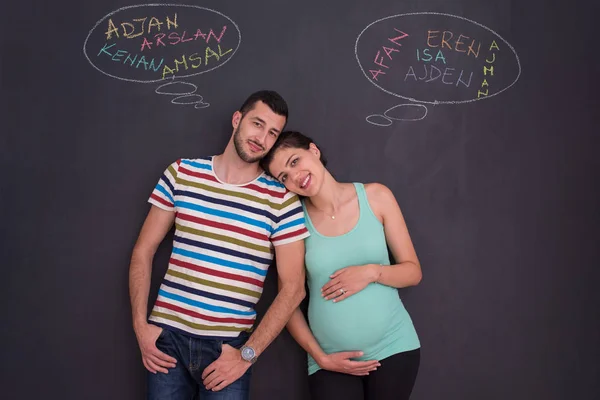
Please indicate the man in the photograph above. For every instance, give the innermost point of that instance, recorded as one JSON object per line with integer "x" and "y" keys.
{"x": 229, "y": 216}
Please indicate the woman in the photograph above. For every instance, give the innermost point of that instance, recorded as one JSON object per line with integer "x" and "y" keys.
{"x": 361, "y": 341}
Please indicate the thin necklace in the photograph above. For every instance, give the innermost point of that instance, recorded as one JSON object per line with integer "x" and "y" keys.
{"x": 329, "y": 215}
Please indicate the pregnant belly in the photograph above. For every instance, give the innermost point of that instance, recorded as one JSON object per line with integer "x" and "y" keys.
{"x": 356, "y": 323}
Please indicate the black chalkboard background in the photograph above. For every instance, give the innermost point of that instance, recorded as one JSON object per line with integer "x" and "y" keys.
{"x": 499, "y": 194}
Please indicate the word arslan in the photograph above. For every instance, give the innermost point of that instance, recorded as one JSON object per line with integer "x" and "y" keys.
{"x": 174, "y": 38}
{"x": 129, "y": 28}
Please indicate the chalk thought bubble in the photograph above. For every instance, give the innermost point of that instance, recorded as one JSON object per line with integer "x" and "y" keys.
{"x": 435, "y": 58}
{"x": 154, "y": 42}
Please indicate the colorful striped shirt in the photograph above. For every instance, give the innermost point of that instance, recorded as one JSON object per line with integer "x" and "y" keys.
{"x": 223, "y": 245}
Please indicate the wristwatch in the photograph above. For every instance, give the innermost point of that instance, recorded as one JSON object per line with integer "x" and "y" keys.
{"x": 248, "y": 354}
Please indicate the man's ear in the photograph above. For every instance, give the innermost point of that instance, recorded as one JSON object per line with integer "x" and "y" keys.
{"x": 236, "y": 119}
{"x": 315, "y": 150}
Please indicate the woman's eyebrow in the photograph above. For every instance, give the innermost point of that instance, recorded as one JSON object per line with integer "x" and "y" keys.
{"x": 286, "y": 164}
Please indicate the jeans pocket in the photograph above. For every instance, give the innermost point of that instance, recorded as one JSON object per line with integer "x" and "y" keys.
{"x": 162, "y": 334}
{"x": 236, "y": 342}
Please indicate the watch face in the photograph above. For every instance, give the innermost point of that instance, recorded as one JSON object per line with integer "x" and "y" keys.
{"x": 248, "y": 353}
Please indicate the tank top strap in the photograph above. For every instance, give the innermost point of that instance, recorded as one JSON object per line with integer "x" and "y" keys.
{"x": 363, "y": 201}
{"x": 307, "y": 221}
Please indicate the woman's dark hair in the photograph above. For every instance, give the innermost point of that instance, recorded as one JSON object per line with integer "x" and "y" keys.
{"x": 287, "y": 140}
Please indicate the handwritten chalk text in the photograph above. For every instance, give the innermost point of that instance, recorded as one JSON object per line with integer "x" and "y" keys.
{"x": 174, "y": 38}
{"x": 389, "y": 51}
{"x": 137, "y": 27}
{"x": 488, "y": 70}
{"x": 434, "y": 39}
{"x": 195, "y": 60}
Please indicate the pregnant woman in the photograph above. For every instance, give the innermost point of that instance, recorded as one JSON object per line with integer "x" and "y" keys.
{"x": 360, "y": 339}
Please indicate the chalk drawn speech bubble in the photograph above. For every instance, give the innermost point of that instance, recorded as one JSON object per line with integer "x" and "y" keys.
{"x": 436, "y": 58}
{"x": 152, "y": 42}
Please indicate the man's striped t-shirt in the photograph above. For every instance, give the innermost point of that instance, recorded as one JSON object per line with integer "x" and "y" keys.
{"x": 222, "y": 248}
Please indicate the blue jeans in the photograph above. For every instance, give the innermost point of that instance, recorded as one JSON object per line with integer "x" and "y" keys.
{"x": 184, "y": 382}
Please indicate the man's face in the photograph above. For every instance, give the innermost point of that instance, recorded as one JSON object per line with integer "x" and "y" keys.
{"x": 255, "y": 132}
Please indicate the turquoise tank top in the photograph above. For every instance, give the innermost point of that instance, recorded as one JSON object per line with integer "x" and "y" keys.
{"x": 374, "y": 320}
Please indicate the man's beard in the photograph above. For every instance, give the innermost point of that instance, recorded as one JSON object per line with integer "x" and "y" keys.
{"x": 239, "y": 148}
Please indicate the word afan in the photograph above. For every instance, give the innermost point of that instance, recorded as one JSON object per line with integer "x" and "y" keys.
{"x": 379, "y": 58}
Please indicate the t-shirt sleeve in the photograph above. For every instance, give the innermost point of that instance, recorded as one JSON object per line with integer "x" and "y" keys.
{"x": 163, "y": 195}
{"x": 290, "y": 225}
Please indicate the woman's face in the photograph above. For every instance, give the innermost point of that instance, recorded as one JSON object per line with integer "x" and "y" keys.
{"x": 300, "y": 170}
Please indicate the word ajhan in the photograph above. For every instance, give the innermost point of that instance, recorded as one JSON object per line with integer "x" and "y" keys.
{"x": 485, "y": 83}
{"x": 129, "y": 30}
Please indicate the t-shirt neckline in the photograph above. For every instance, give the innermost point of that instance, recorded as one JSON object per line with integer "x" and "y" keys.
{"x": 212, "y": 171}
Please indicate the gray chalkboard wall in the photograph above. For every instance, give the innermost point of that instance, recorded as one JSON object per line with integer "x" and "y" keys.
{"x": 482, "y": 118}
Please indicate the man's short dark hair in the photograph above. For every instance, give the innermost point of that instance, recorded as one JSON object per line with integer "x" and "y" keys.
{"x": 271, "y": 98}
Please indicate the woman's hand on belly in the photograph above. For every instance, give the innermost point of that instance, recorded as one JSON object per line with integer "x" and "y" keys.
{"x": 341, "y": 362}
{"x": 348, "y": 281}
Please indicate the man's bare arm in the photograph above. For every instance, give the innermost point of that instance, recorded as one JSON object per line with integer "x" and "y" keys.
{"x": 290, "y": 268}
{"x": 157, "y": 224}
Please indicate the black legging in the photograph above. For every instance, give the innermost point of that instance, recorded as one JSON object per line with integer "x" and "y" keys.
{"x": 394, "y": 379}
